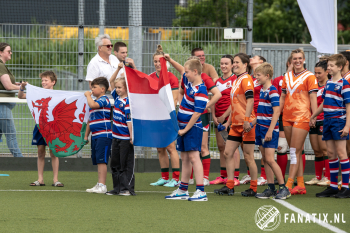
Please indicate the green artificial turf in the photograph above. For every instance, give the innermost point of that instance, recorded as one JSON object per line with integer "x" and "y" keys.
{"x": 71, "y": 209}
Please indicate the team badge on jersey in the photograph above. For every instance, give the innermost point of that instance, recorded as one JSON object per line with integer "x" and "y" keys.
{"x": 228, "y": 84}
{"x": 120, "y": 105}
{"x": 265, "y": 95}
{"x": 336, "y": 87}
{"x": 191, "y": 92}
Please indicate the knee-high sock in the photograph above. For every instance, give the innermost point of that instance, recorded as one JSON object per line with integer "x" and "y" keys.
{"x": 206, "y": 166}
{"x": 326, "y": 166}
{"x": 319, "y": 167}
{"x": 282, "y": 161}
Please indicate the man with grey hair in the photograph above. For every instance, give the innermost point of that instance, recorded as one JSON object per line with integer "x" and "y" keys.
{"x": 104, "y": 63}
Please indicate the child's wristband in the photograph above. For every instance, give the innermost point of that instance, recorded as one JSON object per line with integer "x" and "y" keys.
{"x": 21, "y": 89}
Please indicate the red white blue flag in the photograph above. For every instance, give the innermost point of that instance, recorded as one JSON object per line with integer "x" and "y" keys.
{"x": 152, "y": 108}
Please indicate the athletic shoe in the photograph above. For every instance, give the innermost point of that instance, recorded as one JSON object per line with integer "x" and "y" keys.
{"x": 313, "y": 181}
{"x": 248, "y": 193}
{"x": 198, "y": 196}
{"x": 235, "y": 182}
{"x": 191, "y": 181}
{"x": 343, "y": 193}
{"x": 112, "y": 192}
{"x": 245, "y": 180}
{"x": 283, "y": 194}
{"x": 206, "y": 182}
{"x": 225, "y": 190}
{"x": 218, "y": 180}
{"x": 178, "y": 194}
{"x": 92, "y": 189}
{"x": 327, "y": 192}
{"x": 160, "y": 182}
{"x": 324, "y": 182}
{"x": 124, "y": 193}
{"x": 298, "y": 190}
{"x": 101, "y": 189}
{"x": 266, "y": 194}
{"x": 173, "y": 183}
{"x": 262, "y": 181}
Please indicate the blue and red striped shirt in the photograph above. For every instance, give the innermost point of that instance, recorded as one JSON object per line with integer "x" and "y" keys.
{"x": 336, "y": 95}
{"x": 195, "y": 100}
{"x": 99, "y": 120}
{"x": 268, "y": 99}
{"x": 121, "y": 115}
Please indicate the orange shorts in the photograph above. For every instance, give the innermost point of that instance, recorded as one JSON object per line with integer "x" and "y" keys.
{"x": 237, "y": 134}
{"x": 299, "y": 125}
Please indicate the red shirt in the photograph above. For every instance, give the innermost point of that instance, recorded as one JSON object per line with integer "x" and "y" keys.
{"x": 257, "y": 88}
{"x": 320, "y": 101}
{"x": 224, "y": 86}
{"x": 208, "y": 82}
{"x": 174, "y": 82}
{"x": 277, "y": 82}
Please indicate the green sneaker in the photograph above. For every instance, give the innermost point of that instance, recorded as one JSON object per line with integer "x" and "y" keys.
{"x": 173, "y": 183}
{"x": 160, "y": 182}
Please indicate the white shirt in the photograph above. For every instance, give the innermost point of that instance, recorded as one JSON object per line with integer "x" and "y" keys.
{"x": 100, "y": 68}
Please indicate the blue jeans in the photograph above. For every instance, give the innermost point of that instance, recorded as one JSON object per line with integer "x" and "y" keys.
{"x": 7, "y": 127}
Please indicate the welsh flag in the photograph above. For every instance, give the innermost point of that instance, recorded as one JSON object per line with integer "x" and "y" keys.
{"x": 61, "y": 118}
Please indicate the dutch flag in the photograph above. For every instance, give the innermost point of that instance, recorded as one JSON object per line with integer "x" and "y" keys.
{"x": 152, "y": 108}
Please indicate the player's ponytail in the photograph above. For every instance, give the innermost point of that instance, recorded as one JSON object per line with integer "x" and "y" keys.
{"x": 159, "y": 51}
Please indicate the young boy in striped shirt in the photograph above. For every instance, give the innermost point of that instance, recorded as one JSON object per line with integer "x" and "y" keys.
{"x": 267, "y": 132}
{"x": 101, "y": 132}
{"x": 336, "y": 108}
{"x": 193, "y": 104}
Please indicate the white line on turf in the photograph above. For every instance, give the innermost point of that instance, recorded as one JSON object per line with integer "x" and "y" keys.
{"x": 305, "y": 214}
{"x": 73, "y": 191}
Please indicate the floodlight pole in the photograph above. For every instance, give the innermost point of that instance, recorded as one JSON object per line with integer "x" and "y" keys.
{"x": 102, "y": 17}
{"x": 135, "y": 32}
{"x": 250, "y": 27}
{"x": 81, "y": 44}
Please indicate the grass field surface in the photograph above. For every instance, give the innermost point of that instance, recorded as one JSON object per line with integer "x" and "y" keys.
{"x": 71, "y": 209}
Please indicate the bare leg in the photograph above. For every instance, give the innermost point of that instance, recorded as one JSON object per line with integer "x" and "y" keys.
{"x": 55, "y": 166}
{"x": 249, "y": 158}
{"x": 41, "y": 163}
{"x": 186, "y": 167}
{"x": 102, "y": 173}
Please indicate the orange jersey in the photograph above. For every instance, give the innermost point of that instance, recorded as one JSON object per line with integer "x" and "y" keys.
{"x": 347, "y": 76}
{"x": 297, "y": 102}
{"x": 240, "y": 86}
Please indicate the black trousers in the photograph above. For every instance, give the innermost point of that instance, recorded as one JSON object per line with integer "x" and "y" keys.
{"x": 122, "y": 165}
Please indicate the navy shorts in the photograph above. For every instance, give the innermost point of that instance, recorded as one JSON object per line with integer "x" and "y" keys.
{"x": 100, "y": 150}
{"x": 37, "y": 137}
{"x": 331, "y": 128}
{"x": 260, "y": 133}
{"x": 191, "y": 141}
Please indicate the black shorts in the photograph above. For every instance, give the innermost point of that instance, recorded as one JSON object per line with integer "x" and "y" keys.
{"x": 280, "y": 124}
{"x": 318, "y": 129}
{"x": 205, "y": 121}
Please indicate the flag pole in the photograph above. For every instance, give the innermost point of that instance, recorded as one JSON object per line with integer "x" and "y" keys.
{"x": 335, "y": 27}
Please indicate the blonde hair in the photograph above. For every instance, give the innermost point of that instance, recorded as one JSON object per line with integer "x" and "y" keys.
{"x": 194, "y": 64}
{"x": 323, "y": 58}
{"x": 266, "y": 69}
{"x": 159, "y": 51}
{"x": 340, "y": 60}
{"x": 193, "y": 57}
{"x": 123, "y": 80}
{"x": 295, "y": 51}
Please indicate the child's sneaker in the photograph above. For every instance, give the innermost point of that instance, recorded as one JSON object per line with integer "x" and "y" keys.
{"x": 112, "y": 192}
{"x": 313, "y": 181}
{"x": 283, "y": 194}
{"x": 173, "y": 183}
{"x": 267, "y": 193}
{"x": 248, "y": 193}
{"x": 101, "y": 189}
{"x": 124, "y": 193}
{"x": 298, "y": 190}
{"x": 324, "y": 182}
{"x": 225, "y": 190}
{"x": 92, "y": 189}
{"x": 245, "y": 180}
{"x": 218, "y": 180}
{"x": 191, "y": 181}
{"x": 328, "y": 192}
{"x": 198, "y": 196}
{"x": 178, "y": 194}
{"x": 261, "y": 181}
{"x": 160, "y": 182}
{"x": 206, "y": 182}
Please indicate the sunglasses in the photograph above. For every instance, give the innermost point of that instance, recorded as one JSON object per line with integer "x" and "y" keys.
{"x": 108, "y": 45}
